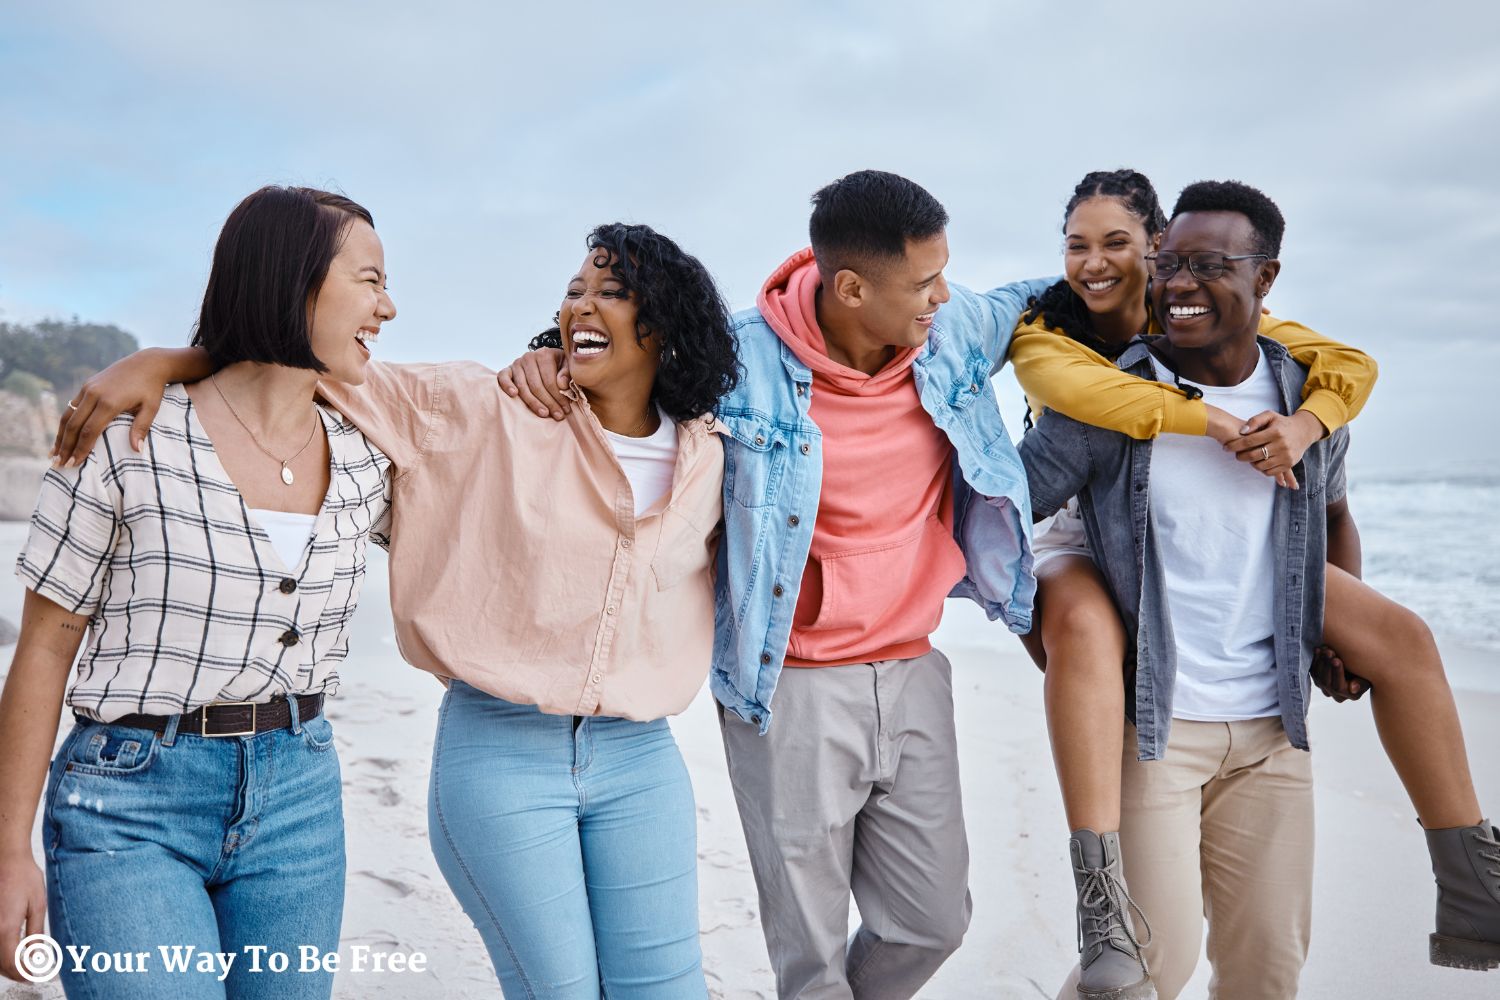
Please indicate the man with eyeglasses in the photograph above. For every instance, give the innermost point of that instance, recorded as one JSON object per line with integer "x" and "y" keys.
{"x": 1218, "y": 576}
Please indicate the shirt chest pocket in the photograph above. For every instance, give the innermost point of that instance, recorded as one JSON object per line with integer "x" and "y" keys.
{"x": 1312, "y": 473}
{"x": 754, "y": 462}
{"x": 682, "y": 551}
{"x": 971, "y": 382}
{"x": 972, "y": 399}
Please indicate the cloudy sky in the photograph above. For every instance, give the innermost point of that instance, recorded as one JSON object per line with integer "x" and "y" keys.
{"x": 488, "y": 141}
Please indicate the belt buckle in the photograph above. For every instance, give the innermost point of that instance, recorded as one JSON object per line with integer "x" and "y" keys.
{"x": 203, "y": 720}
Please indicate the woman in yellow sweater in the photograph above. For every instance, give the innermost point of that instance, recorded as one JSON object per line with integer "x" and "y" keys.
{"x": 1061, "y": 353}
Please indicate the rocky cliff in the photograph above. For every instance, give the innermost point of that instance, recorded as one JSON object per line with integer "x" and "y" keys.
{"x": 27, "y": 426}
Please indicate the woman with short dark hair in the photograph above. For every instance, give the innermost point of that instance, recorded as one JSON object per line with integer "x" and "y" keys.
{"x": 214, "y": 563}
{"x": 558, "y": 576}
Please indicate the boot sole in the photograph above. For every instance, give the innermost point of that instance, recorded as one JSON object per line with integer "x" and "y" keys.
{"x": 1461, "y": 953}
{"x": 1143, "y": 990}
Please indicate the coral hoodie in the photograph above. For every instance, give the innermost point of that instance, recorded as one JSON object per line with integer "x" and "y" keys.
{"x": 883, "y": 556}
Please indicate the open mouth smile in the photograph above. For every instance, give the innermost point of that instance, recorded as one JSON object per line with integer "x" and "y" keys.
{"x": 588, "y": 342}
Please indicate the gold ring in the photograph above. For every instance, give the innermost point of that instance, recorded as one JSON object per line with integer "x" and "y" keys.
{"x": 1265, "y": 453}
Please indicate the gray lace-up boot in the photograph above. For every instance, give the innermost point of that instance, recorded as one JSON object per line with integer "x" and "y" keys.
{"x": 1111, "y": 966}
{"x": 1466, "y": 864}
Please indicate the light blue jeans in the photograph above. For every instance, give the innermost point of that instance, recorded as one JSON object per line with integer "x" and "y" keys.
{"x": 572, "y": 845}
{"x": 221, "y": 844}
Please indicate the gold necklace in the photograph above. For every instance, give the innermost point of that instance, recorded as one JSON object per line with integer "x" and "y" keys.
{"x": 286, "y": 473}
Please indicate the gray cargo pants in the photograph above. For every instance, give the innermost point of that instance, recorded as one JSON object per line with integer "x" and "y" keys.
{"x": 855, "y": 789}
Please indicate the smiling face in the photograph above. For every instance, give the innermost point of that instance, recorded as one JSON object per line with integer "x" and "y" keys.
{"x": 899, "y": 299}
{"x": 1207, "y": 315}
{"x": 1104, "y": 256}
{"x": 597, "y": 321}
{"x": 352, "y": 303}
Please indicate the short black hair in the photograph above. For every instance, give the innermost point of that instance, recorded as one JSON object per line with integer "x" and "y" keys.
{"x": 271, "y": 259}
{"x": 864, "y": 220}
{"x": 676, "y": 300}
{"x": 1233, "y": 196}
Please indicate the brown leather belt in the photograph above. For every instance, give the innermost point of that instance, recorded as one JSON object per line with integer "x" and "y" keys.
{"x": 232, "y": 718}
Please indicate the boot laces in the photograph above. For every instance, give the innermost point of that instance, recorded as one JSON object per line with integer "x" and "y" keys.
{"x": 1104, "y": 901}
{"x": 1485, "y": 840}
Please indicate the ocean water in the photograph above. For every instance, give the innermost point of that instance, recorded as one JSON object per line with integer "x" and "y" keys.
{"x": 1430, "y": 544}
{"x": 1433, "y": 545}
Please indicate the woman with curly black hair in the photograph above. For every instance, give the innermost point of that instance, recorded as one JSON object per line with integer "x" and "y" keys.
{"x": 557, "y": 575}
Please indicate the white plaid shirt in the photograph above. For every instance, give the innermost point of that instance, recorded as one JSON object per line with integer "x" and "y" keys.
{"x": 189, "y": 601}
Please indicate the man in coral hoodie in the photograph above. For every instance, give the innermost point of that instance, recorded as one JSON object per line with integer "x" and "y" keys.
{"x": 867, "y": 476}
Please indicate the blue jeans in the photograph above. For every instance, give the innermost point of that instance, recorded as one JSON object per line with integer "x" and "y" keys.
{"x": 221, "y": 844}
{"x": 572, "y": 845}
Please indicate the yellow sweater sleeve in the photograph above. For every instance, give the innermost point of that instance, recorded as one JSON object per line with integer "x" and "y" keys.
{"x": 1058, "y": 373}
{"x": 1339, "y": 378}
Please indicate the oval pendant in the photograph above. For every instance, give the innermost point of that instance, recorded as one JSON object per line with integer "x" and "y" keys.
{"x": 286, "y": 475}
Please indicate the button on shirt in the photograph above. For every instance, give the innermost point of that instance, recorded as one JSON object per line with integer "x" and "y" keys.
{"x": 518, "y": 564}
{"x": 190, "y": 601}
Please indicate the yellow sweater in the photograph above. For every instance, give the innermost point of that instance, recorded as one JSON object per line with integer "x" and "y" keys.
{"x": 1059, "y": 373}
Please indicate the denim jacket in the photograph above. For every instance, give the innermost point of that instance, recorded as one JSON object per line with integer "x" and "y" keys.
{"x": 773, "y": 473}
{"x": 1111, "y": 475}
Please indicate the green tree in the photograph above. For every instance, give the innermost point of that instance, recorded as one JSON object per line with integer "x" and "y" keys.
{"x": 62, "y": 353}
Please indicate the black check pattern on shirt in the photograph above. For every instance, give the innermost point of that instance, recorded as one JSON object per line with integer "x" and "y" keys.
{"x": 189, "y": 602}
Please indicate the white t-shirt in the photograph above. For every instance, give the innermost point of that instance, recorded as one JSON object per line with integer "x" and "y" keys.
{"x": 289, "y": 533}
{"x": 648, "y": 462}
{"x": 1213, "y": 519}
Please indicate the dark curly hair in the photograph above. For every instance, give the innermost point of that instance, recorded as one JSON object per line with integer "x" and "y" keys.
{"x": 676, "y": 299}
{"x": 1060, "y": 305}
{"x": 1232, "y": 196}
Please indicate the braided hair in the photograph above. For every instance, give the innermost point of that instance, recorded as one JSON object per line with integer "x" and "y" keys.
{"x": 1060, "y": 306}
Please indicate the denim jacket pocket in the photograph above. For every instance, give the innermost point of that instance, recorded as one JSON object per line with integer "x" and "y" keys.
{"x": 970, "y": 382}
{"x": 682, "y": 549}
{"x": 1313, "y": 474}
{"x": 111, "y": 750}
{"x": 754, "y": 462}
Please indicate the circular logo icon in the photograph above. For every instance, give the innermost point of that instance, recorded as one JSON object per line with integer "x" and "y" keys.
{"x": 38, "y": 958}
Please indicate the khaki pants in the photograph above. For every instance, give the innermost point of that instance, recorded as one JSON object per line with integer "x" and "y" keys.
{"x": 854, "y": 789}
{"x": 1222, "y": 829}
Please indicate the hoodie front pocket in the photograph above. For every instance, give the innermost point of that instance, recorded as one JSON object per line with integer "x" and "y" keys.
{"x": 861, "y": 585}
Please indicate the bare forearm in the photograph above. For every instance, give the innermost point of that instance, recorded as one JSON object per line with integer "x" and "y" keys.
{"x": 29, "y": 710}
{"x": 181, "y": 364}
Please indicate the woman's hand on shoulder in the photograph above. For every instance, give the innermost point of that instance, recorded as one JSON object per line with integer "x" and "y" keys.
{"x": 131, "y": 385}
{"x": 540, "y": 380}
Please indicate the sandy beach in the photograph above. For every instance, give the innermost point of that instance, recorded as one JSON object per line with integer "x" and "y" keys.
{"x": 1374, "y": 894}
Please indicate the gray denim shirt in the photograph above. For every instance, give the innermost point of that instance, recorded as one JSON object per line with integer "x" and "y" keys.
{"x": 1110, "y": 473}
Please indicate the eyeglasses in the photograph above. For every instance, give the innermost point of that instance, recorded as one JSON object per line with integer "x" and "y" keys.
{"x": 1205, "y": 265}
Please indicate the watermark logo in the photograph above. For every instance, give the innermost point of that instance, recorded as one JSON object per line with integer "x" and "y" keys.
{"x": 38, "y": 958}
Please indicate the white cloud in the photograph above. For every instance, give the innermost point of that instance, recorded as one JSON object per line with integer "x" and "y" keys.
{"x": 488, "y": 139}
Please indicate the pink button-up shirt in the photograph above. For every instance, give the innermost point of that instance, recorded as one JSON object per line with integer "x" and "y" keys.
{"x": 517, "y": 562}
